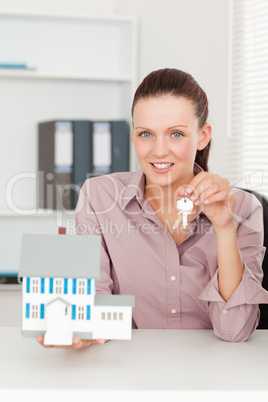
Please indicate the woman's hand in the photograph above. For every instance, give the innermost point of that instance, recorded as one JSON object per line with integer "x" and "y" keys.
{"x": 77, "y": 343}
{"x": 215, "y": 197}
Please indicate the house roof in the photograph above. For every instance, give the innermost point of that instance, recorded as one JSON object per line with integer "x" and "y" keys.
{"x": 115, "y": 300}
{"x": 60, "y": 256}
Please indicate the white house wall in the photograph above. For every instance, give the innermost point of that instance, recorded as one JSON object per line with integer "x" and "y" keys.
{"x": 39, "y": 324}
{"x": 106, "y": 327}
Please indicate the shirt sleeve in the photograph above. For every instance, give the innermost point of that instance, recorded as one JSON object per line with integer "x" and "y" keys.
{"x": 236, "y": 319}
{"x": 86, "y": 223}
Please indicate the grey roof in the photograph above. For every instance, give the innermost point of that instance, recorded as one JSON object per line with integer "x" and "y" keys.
{"x": 60, "y": 256}
{"x": 114, "y": 300}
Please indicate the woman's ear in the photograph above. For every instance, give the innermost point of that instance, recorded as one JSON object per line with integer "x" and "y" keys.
{"x": 205, "y": 137}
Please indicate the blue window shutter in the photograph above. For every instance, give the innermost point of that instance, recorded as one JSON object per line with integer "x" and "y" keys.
{"x": 42, "y": 285}
{"x": 88, "y": 312}
{"x": 42, "y": 311}
{"x": 73, "y": 311}
{"x": 74, "y": 286}
{"x": 27, "y": 310}
{"x": 28, "y": 285}
{"x": 65, "y": 286}
{"x": 88, "y": 286}
{"x": 50, "y": 285}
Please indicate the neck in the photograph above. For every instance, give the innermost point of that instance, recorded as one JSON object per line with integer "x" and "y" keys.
{"x": 163, "y": 199}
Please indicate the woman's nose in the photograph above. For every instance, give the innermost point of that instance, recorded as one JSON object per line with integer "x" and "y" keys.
{"x": 160, "y": 148}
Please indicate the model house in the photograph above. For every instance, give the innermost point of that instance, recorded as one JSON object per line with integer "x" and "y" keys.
{"x": 59, "y": 297}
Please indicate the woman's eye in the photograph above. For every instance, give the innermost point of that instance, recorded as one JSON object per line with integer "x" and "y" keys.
{"x": 145, "y": 134}
{"x": 177, "y": 134}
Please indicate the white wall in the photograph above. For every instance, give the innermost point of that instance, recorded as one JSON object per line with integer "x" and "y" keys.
{"x": 191, "y": 35}
{"x": 76, "y": 6}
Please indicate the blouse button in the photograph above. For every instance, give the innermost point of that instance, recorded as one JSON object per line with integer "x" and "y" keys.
{"x": 224, "y": 311}
{"x": 173, "y": 278}
{"x": 173, "y": 311}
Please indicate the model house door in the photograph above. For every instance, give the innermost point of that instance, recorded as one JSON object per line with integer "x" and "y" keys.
{"x": 58, "y": 323}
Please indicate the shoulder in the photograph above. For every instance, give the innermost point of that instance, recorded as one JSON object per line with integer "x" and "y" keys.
{"x": 247, "y": 202}
{"x": 107, "y": 191}
{"x": 110, "y": 184}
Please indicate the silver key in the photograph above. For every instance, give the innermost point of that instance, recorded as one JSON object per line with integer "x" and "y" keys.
{"x": 178, "y": 220}
{"x": 186, "y": 207}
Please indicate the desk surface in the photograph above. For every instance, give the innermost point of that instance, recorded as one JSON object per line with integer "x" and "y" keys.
{"x": 173, "y": 360}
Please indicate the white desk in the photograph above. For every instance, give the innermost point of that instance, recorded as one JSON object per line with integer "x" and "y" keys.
{"x": 154, "y": 363}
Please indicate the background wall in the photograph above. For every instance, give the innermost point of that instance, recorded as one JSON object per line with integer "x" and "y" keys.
{"x": 191, "y": 35}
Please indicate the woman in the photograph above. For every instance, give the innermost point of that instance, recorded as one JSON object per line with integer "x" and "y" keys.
{"x": 203, "y": 271}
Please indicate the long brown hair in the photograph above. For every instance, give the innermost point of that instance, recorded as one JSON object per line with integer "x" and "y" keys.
{"x": 178, "y": 83}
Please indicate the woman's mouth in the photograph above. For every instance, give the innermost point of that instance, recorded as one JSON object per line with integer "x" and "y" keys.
{"x": 162, "y": 167}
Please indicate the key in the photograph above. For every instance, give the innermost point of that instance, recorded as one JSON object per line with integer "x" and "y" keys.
{"x": 178, "y": 220}
{"x": 185, "y": 205}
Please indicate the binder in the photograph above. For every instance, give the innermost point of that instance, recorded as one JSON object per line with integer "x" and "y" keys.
{"x": 82, "y": 155}
{"x": 55, "y": 165}
{"x": 72, "y": 151}
{"x": 102, "y": 147}
{"x": 120, "y": 146}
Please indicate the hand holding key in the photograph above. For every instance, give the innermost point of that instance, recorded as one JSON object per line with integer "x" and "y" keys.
{"x": 185, "y": 207}
{"x": 215, "y": 197}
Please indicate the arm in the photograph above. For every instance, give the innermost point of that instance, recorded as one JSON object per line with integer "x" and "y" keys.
{"x": 230, "y": 264}
{"x": 87, "y": 224}
{"x": 234, "y": 292}
{"x": 236, "y": 319}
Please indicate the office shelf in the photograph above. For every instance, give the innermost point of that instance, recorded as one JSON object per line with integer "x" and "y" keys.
{"x": 52, "y": 75}
{"x": 39, "y": 213}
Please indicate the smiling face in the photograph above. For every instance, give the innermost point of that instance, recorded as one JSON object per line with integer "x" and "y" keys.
{"x": 166, "y": 137}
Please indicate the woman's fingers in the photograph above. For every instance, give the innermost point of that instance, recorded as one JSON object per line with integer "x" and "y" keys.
{"x": 77, "y": 343}
{"x": 204, "y": 185}
{"x": 220, "y": 196}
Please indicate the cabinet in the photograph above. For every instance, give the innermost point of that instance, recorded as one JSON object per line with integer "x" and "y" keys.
{"x": 79, "y": 67}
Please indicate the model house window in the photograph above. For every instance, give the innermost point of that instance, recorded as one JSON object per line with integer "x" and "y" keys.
{"x": 35, "y": 285}
{"x": 81, "y": 313}
{"x": 58, "y": 286}
{"x": 81, "y": 287}
{"x": 35, "y": 310}
{"x": 112, "y": 316}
